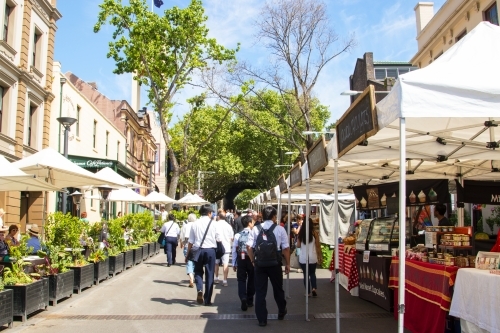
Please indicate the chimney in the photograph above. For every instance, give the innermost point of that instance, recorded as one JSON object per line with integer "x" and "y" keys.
{"x": 93, "y": 85}
{"x": 424, "y": 11}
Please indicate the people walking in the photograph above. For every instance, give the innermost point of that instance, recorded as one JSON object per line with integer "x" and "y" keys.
{"x": 203, "y": 237}
{"x": 242, "y": 264}
{"x": 266, "y": 248}
{"x": 172, "y": 231}
{"x": 226, "y": 236}
{"x": 309, "y": 256}
{"x": 185, "y": 230}
{"x": 237, "y": 221}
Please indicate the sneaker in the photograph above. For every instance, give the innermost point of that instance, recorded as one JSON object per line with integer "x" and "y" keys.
{"x": 199, "y": 298}
{"x": 262, "y": 323}
{"x": 224, "y": 283}
{"x": 216, "y": 281}
{"x": 244, "y": 305}
{"x": 281, "y": 315}
{"x": 314, "y": 293}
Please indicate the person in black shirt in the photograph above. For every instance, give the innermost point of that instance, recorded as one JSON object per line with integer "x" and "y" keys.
{"x": 439, "y": 211}
{"x": 238, "y": 226}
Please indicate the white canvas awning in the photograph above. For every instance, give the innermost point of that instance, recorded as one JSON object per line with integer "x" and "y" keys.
{"x": 125, "y": 195}
{"x": 13, "y": 179}
{"x": 157, "y": 198}
{"x": 112, "y": 176}
{"x": 191, "y": 200}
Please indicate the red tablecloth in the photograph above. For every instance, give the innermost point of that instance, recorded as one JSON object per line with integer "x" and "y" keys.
{"x": 347, "y": 265}
{"x": 427, "y": 295}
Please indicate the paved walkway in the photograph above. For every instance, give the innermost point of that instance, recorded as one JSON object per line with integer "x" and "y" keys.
{"x": 152, "y": 297}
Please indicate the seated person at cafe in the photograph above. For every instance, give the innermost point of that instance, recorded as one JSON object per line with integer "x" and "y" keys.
{"x": 83, "y": 217}
{"x": 33, "y": 241}
{"x": 4, "y": 248}
{"x": 11, "y": 238}
{"x": 439, "y": 211}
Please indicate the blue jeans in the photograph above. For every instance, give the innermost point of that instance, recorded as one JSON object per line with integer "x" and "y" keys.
{"x": 189, "y": 264}
{"x": 205, "y": 261}
{"x": 312, "y": 276}
{"x": 171, "y": 249}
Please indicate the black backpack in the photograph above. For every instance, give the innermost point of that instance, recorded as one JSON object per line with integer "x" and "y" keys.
{"x": 266, "y": 251}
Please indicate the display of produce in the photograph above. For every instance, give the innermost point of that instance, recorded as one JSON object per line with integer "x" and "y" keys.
{"x": 380, "y": 235}
{"x": 363, "y": 231}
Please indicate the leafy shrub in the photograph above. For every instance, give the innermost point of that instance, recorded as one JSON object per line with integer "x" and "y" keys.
{"x": 327, "y": 255}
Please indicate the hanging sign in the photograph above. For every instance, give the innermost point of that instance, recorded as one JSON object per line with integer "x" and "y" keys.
{"x": 358, "y": 123}
{"x": 273, "y": 193}
{"x": 317, "y": 158}
{"x": 282, "y": 184}
{"x": 296, "y": 175}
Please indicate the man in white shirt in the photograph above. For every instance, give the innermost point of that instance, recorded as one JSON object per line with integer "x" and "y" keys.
{"x": 242, "y": 264}
{"x": 274, "y": 273}
{"x": 163, "y": 214}
{"x": 171, "y": 230}
{"x": 207, "y": 245}
{"x": 226, "y": 233}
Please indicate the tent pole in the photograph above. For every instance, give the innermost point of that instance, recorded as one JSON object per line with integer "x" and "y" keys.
{"x": 307, "y": 248}
{"x": 402, "y": 223}
{"x": 289, "y": 227}
{"x": 460, "y": 211}
{"x": 336, "y": 242}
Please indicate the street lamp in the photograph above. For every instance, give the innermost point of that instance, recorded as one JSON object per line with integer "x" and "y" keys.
{"x": 77, "y": 197}
{"x": 62, "y": 81}
{"x": 66, "y": 122}
{"x": 151, "y": 164}
{"x": 105, "y": 191}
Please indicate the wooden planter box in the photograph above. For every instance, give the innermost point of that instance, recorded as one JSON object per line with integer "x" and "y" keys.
{"x": 101, "y": 271}
{"x": 6, "y": 307}
{"x": 84, "y": 277}
{"x": 116, "y": 264}
{"x": 61, "y": 286}
{"x": 30, "y": 298}
{"x": 128, "y": 259}
{"x": 145, "y": 252}
{"x": 137, "y": 255}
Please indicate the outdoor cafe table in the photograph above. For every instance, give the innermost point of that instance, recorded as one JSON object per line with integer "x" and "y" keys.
{"x": 476, "y": 301}
{"x": 33, "y": 260}
{"x": 428, "y": 292}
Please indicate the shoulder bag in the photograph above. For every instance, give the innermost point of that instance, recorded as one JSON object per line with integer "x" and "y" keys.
{"x": 162, "y": 237}
{"x": 194, "y": 254}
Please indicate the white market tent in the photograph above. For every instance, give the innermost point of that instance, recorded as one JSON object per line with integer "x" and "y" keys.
{"x": 191, "y": 200}
{"x": 125, "y": 195}
{"x": 13, "y": 179}
{"x": 157, "y": 198}
{"x": 112, "y": 176}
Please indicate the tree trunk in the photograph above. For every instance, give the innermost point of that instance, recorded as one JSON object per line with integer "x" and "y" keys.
{"x": 172, "y": 189}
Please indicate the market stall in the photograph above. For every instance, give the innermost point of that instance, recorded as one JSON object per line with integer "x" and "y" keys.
{"x": 348, "y": 275}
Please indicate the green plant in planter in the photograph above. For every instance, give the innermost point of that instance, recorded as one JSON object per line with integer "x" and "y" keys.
{"x": 16, "y": 275}
{"x": 64, "y": 230}
{"x": 56, "y": 261}
{"x": 327, "y": 255}
{"x": 97, "y": 255}
{"x": 494, "y": 219}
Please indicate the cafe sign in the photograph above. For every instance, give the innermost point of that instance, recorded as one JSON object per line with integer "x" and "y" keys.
{"x": 358, "y": 123}
{"x": 282, "y": 184}
{"x": 91, "y": 163}
{"x": 296, "y": 175}
{"x": 273, "y": 193}
{"x": 317, "y": 158}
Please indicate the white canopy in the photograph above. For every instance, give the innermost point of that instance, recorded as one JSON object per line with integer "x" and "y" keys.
{"x": 112, "y": 176}
{"x": 191, "y": 200}
{"x": 157, "y": 198}
{"x": 13, "y": 179}
{"x": 126, "y": 195}
{"x": 58, "y": 171}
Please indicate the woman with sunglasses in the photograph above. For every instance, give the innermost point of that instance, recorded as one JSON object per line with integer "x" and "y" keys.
{"x": 11, "y": 238}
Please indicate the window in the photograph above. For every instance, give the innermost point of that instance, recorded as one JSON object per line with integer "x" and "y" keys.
{"x": 461, "y": 35}
{"x": 382, "y": 73}
{"x": 132, "y": 143}
{"x": 118, "y": 151}
{"x": 31, "y": 125}
{"x": 91, "y": 200}
{"x": 94, "y": 135}
{"x": 6, "y": 20}
{"x": 78, "y": 109}
{"x": 107, "y": 141}
{"x": 2, "y": 105}
{"x": 491, "y": 14}
{"x": 36, "y": 48}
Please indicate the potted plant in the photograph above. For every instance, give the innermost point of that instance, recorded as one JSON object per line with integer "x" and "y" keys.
{"x": 493, "y": 220}
{"x": 61, "y": 278}
{"x": 6, "y": 305}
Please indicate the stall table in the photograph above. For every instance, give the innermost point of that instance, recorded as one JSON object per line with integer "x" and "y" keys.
{"x": 348, "y": 277}
{"x": 475, "y": 299}
{"x": 427, "y": 294}
{"x": 374, "y": 281}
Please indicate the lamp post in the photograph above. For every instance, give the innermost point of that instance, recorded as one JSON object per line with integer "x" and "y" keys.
{"x": 151, "y": 165}
{"x": 62, "y": 80}
{"x": 105, "y": 191}
{"x": 77, "y": 197}
{"x": 66, "y": 122}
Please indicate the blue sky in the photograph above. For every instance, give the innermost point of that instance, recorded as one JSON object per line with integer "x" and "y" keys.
{"x": 385, "y": 27}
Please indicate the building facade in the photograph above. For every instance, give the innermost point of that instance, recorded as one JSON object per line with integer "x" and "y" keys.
{"x": 161, "y": 157}
{"x": 26, "y": 60}
{"x": 436, "y": 33}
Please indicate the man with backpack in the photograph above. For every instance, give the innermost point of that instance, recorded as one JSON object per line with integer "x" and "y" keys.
{"x": 242, "y": 264}
{"x": 266, "y": 247}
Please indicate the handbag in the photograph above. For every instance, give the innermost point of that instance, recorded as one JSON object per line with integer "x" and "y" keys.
{"x": 194, "y": 254}
{"x": 162, "y": 238}
{"x": 220, "y": 251}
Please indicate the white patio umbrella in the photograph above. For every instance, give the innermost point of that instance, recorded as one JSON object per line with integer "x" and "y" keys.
{"x": 191, "y": 200}
{"x": 157, "y": 198}
{"x": 126, "y": 195}
{"x": 13, "y": 179}
{"x": 58, "y": 171}
{"x": 112, "y": 176}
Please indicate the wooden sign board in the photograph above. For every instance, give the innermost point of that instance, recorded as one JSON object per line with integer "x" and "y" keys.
{"x": 358, "y": 123}
{"x": 273, "y": 193}
{"x": 317, "y": 158}
{"x": 282, "y": 184}
{"x": 265, "y": 197}
{"x": 296, "y": 175}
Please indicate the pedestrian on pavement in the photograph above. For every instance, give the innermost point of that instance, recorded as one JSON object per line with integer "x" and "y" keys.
{"x": 204, "y": 236}
{"x": 186, "y": 229}
{"x": 172, "y": 231}
{"x": 226, "y": 234}
{"x": 309, "y": 257}
{"x": 237, "y": 222}
{"x": 268, "y": 261}
{"x": 163, "y": 214}
{"x": 242, "y": 264}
